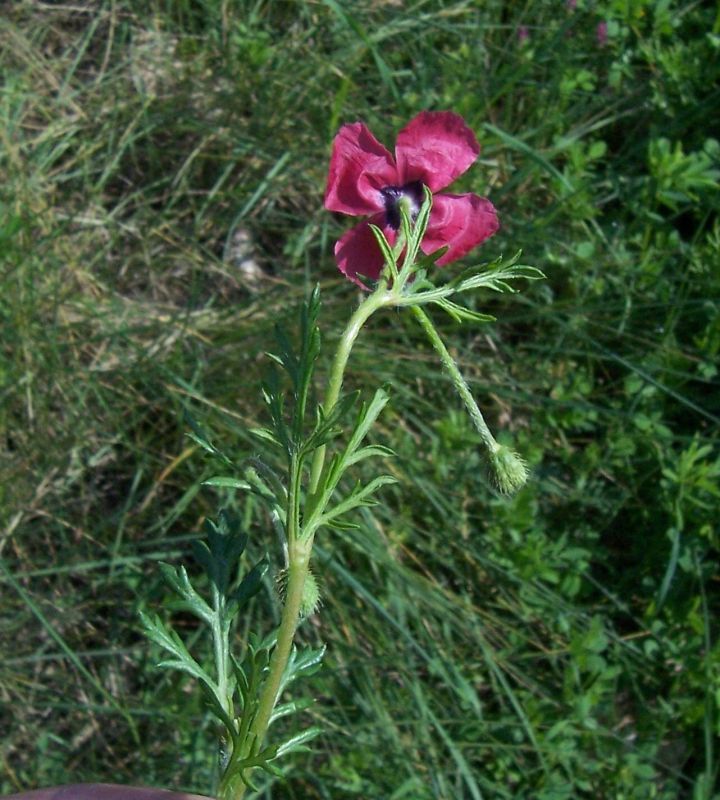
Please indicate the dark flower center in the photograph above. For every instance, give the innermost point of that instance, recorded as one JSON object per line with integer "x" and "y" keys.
{"x": 392, "y": 195}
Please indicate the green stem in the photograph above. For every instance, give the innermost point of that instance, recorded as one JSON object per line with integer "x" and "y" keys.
{"x": 458, "y": 381}
{"x": 379, "y": 298}
{"x": 298, "y": 564}
{"x": 299, "y": 549}
{"x": 297, "y": 572}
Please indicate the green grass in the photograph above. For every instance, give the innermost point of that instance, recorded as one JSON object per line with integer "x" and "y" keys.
{"x": 558, "y": 645}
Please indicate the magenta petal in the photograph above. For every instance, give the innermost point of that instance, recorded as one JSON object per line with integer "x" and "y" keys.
{"x": 462, "y": 221}
{"x": 359, "y": 167}
{"x": 358, "y": 253}
{"x": 435, "y": 147}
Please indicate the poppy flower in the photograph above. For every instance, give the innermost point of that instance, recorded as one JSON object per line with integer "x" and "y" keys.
{"x": 364, "y": 179}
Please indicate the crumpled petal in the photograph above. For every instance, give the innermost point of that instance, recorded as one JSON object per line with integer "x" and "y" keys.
{"x": 358, "y": 254}
{"x": 435, "y": 147}
{"x": 359, "y": 168}
{"x": 461, "y": 221}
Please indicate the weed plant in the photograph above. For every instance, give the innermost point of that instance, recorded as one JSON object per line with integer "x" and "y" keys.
{"x": 161, "y": 176}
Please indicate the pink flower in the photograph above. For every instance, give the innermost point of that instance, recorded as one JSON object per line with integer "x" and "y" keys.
{"x": 601, "y": 33}
{"x": 523, "y": 34}
{"x": 364, "y": 179}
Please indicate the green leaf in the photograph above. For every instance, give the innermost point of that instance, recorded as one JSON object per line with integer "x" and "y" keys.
{"x": 365, "y": 420}
{"x": 426, "y": 263}
{"x": 226, "y": 482}
{"x": 461, "y": 314}
{"x": 342, "y": 525}
{"x": 340, "y": 462}
{"x": 248, "y": 588}
{"x": 168, "y": 639}
{"x": 406, "y": 230}
{"x": 264, "y": 480}
{"x": 267, "y": 435}
{"x": 298, "y": 742}
{"x": 293, "y": 707}
{"x": 387, "y": 251}
{"x": 220, "y": 555}
{"x": 495, "y": 275}
{"x": 415, "y": 238}
{"x": 361, "y": 496}
{"x": 274, "y": 397}
{"x": 242, "y": 684}
{"x": 301, "y": 664}
{"x": 199, "y": 436}
{"x": 221, "y": 713}
{"x": 299, "y": 366}
{"x": 178, "y": 580}
{"x": 328, "y": 427}
{"x": 368, "y": 452}
{"x": 238, "y": 769}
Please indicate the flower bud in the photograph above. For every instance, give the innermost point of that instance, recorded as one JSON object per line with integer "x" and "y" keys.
{"x": 507, "y": 470}
{"x": 311, "y": 592}
{"x": 311, "y": 596}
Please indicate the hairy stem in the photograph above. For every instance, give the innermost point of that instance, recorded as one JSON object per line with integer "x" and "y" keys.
{"x": 298, "y": 564}
{"x": 379, "y": 298}
{"x": 299, "y": 549}
{"x": 297, "y": 571}
{"x": 458, "y": 381}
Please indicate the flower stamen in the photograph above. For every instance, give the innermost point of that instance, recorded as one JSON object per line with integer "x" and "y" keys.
{"x": 393, "y": 195}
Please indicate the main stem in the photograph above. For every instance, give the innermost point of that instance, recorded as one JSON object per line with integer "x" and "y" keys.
{"x": 299, "y": 549}
{"x": 298, "y": 563}
{"x": 297, "y": 572}
{"x": 457, "y": 379}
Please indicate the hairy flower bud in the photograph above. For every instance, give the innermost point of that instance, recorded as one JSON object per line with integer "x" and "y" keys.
{"x": 507, "y": 470}
{"x": 311, "y": 598}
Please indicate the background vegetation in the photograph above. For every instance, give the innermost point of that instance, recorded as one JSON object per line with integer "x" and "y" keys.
{"x": 162, "y": 166}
